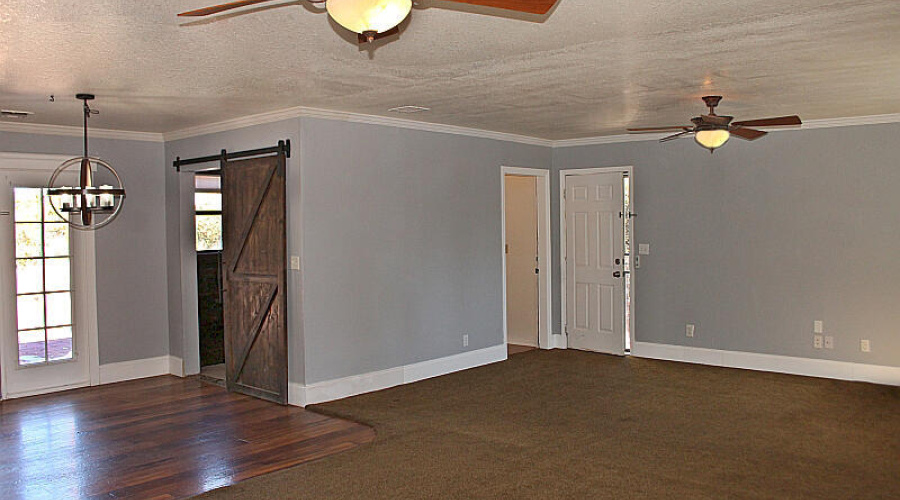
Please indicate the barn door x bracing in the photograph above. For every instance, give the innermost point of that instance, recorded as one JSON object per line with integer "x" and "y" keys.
{"x": 253, "y": 208}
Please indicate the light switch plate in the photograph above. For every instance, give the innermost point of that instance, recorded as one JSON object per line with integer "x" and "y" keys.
{"x": 864, "y": 346}
{"x": 295, "y": 262}
{"x": 644, "y": 248}
{"x": 818, "y": 326}
{"x": 829, "y": 342}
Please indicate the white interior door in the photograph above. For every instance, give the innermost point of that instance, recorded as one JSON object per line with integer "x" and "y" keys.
{"x": 522, "y": 294}
{"x": 595, "y": 285}
{"x": 44, "y": 335}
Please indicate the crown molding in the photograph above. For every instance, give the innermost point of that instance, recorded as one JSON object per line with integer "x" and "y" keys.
{"x": 305, "y": 112}
{"x": 301, "y": 111}
{"x": 99, "y": 133}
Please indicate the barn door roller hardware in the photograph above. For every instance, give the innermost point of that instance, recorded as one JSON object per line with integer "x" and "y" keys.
{"x": 282, "y": 147}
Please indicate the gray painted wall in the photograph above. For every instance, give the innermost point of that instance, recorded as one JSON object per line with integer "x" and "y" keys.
{"x": 755, "y": 242}
{"x": 131, "y": 252}
{"x": 183, "y": 335}
{"x": 402, "y": 244}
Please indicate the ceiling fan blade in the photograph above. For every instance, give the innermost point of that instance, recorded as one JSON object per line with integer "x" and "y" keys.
{"x": 215, "y": 9}
{"x": 529, "y": 6}
{"x": 675, "y": 136}
{"x": 716, "y": 119}
{"x": 378, "y": 36}
{"x": 748, "y": 134}
{"x": 658, "y": 129}
{"x": 771, "y": 122}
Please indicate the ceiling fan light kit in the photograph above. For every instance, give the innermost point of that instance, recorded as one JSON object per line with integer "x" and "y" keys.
{"x": 712, "y": 139}
{"x": 712, "y": 131}
{"x": 368, "y": 17}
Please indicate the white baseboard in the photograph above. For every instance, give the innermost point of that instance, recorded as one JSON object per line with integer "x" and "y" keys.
{"x": 824, "y": 368}
{"x": 176, "y": 366}
{"x": 139, "y": 368}
{"x": 330, "y": 390}
{"x": 558, "y": 341}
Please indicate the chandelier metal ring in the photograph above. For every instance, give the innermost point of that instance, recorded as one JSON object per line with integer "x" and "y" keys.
{"x": 84, "y": 197}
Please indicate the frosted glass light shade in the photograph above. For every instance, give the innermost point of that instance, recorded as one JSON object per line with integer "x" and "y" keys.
{"x": 362, "y": 16}
{"x": 712, "y": 139}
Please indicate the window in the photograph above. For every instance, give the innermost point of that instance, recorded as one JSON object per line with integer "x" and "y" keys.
{"x": 43, "y": 280}
{"x": 208, "y": 209}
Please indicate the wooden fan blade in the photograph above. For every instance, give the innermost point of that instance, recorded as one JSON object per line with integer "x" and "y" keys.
{"x": 529, "y": 6}
{"x": 657, "y": 129}
{"x": 378, "y": 36}
{"x": 675, "y": 136}
{"x": 748, "y": 134}
{"x": 215, "y": 9}
{"x": 771, "y": 122}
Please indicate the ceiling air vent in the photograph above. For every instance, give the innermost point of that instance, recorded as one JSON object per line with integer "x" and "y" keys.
{"x": 11, "y": 113}
{"x": 408, "y": 110}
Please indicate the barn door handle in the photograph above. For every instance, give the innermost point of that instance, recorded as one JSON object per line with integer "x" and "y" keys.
{"x": 617, "y": 274}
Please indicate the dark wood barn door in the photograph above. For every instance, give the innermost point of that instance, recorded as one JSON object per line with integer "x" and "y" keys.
{"x": 253, "y": 208}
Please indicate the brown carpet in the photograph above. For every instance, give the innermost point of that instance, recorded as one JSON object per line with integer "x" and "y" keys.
{"x": 567, "y": 424}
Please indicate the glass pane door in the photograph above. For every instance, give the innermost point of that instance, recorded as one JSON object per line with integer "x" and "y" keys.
{"x": 43, "y": 281}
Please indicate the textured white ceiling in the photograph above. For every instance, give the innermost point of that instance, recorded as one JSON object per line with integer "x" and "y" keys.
{"x": 588, "y": 68}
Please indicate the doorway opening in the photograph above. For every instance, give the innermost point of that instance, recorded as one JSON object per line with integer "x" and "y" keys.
{"x": 526, "y": 258}
{"x": 596, "y": 239}
{"x": 208, "y": 226}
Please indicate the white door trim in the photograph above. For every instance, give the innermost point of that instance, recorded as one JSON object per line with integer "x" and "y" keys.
{"x": 85, "y": 261}
{"x": 545, "y": 274}
{"x": 562, "y": 242}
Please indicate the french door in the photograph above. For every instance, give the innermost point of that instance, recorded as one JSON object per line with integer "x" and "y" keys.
{"x": 45, "y": 332}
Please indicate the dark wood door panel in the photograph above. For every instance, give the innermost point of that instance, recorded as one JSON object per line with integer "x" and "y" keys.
{"x": 253, "y": 193}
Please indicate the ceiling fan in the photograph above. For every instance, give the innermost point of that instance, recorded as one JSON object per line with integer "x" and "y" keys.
{"x": 712, "y": 131}
{"x": 374, "y": 19}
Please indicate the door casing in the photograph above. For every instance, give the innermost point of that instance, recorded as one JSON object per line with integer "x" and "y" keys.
{"x": 629, "y": 170}
{"x": 545, "y": 279}
{"x": 36, "y": 169}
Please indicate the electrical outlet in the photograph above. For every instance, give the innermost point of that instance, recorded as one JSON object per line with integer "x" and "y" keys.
{"x": 864, "y": 346}
{"x": 829, "y": 342}
{"x": 817, "y": 341}
{"x": 465, "y": 341}
{"x": 818, "y": 326}
{"x": 689, "y": 330}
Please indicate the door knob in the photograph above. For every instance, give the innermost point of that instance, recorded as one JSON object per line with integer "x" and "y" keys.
{"x": 617, "y": 274}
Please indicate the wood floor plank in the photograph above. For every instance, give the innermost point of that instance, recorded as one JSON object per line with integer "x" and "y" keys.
{"x": 161, "y": 438}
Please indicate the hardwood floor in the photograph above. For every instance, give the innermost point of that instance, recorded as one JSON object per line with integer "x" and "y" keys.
{"x": 157, "y": 438}
{"x": 512, "y": 349}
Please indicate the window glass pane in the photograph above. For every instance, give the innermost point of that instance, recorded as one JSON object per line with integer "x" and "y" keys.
{"x": 209, "y": 232}
{"x": 28, "y": 204}
{"x": 49, "y": 214}
{"x": 28, "y": 240}
{"x": 58, "y": 274}
{"x": 208, "y": 182}
{"x": 56, "y": 240}
{"x": 30, "y": 311}
{"x": 59, "y": 309}
{"x": 31, "y": 347}
{"x": 208, "y": 202}
{"x": 29, "y": 276}
{"x": 59, "y": 343}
